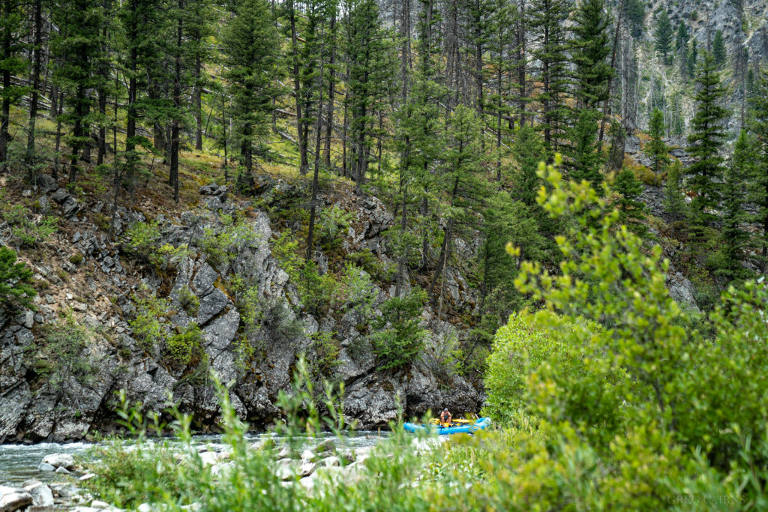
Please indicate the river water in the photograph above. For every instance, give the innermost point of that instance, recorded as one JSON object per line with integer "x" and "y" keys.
{"x": 19, "y": 462}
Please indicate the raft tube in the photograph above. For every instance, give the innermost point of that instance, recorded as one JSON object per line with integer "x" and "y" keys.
{"x": 480, "y": 424}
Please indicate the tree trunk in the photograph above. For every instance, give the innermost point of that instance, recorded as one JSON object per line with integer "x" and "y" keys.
{"x": 444, "y": 248}
{"x": 174, "y": 168}
{"x": 521, "y": 61}
{"x": 331, "y": 92}
{"x": 5, "y": 115}
{"x": 197, "y": 102}
{"x": 57, "y": 143}
{"x": 34, "y": 96}
{"x": 303, "y": 166}
{"x": 614, "y": 52}
{"x": 313, "y": 204}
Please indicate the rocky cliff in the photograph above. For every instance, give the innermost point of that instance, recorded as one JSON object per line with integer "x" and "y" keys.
{"x": 90, "y": 275}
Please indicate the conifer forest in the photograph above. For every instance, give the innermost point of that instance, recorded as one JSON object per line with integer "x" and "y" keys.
{"x": 278, "y": 228}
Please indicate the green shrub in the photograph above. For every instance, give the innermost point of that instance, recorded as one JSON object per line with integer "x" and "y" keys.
{"x": 150, "y": 326}
{"x": 184, "y": 345}
{"x": 189, "y": 301}
{"x": 378, "y": 269}
{"x": 26, "y": 229}
{"x": 356, "y": 291}
{"x": 398, "y": 335}
{"x": 15, "y": 281}
{"x": 315, "y": 291}
{"x": 142, "y": 239}
{"x": 65, "y": 354}
{"x": 76, "y": 259}
{"x": 221, "y": 245}
{"x": 333, "y": 223}
{"x": 326, "y": 350}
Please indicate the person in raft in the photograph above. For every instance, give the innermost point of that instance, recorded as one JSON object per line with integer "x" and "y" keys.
{"x": 445, "y": 417}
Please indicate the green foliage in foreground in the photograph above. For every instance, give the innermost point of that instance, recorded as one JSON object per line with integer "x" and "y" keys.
{"x": 621, "y": 383}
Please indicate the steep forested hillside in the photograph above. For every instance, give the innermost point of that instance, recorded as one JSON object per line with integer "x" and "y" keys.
{"x": 199, "y": 184}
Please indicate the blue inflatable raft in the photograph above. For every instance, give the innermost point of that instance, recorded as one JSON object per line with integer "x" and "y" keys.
{"x": 457, "y": 427}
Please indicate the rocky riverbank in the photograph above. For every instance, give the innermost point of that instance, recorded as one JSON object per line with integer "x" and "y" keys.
{"x": 303, "y": 463}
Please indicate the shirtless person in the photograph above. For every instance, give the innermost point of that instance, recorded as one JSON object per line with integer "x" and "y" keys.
{"x": 446, "y": 418}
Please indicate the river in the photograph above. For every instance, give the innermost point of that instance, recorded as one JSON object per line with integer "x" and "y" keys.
{"x": 19, "y": 462}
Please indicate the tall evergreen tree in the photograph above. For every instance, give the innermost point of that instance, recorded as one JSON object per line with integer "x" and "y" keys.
{"x": 681, "y": 39}
{"x": 462, "y": 180}
{"x": 758, "y": 180}
{"x": 547, "y": 24}
{"x": 139, "y": 21}
{"x": 663, "y": 35}
{"x": 11, "y": 64}
{"x": 656, "y": 149}
{"x": 706, "y": 140}
{"x": 590, "y": 50}
{"x": 368, "y": 73}
{"x": 693, "y": 58}
{"x": 630, "y": 206}
{"x": 251, "y": 48}
{"x": 733, "y": 238}
{"x": 718, "y": 49}
{"x": 674, "y": 197}
{"x": 78, "y": 46}
{"x": 585, "y": 158}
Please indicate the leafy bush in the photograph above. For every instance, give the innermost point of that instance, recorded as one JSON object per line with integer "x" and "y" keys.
{"x": 150, "y": 326}
{"x": 381, "y": 271}
{"x": 222, "y": 245}
{"x": 65, "y": 354}
{"x": 27, "y": 229}
{"x": 189, "y": 301}
{"x": 622, "y": 375}
{"x": 356, "y": 290}
{"x": 332, "y": 223}
{"x": 326, "y": 349}
{"x": 154, "y": 331}
{"x": 15, "y": 281}
{"x": 142, "y": 239}
{"x": 185, "y": 344}
{"x": 398, "y": 335}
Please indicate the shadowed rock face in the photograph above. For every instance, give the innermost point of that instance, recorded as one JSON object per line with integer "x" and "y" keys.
{"x": 33, "y": 409}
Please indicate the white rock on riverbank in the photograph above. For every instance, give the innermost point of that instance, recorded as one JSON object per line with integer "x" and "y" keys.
{"x": 12, "y": 499}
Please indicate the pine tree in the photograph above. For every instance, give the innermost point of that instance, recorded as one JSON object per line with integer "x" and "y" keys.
{"x": 78, "y": 46}
{"x": 656, "y": 149}
{"x": 527, "y": 151}
{"x": 590, "y": 50}
{"x": 718, "y": 49}
{"x": 757, "y": 187}
{"x": 463, "y": 181}
{"x": 139, "y": 22}
{"x": 674, "y": 199}
{"x": 251, "y": 48}
{"x": 585, "y": 158}
{"x": 681, "y": 40}
{"x": 547, "y": 19}
{"x": 634, "y": 12}
{"x": 198, "y": 23}
{"x": 663, "y": 35}
{"x": 630, "y": 207}
{"x": 733, "y": 238}
{"x": 693, "y": 57}
{"x": 368, "y": 74}
{"x": 705, "y": 142}
{"x": 11, "y": 64}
